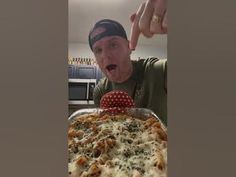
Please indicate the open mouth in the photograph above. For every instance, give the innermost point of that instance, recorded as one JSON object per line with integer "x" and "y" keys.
{"x": 111, "y": 67}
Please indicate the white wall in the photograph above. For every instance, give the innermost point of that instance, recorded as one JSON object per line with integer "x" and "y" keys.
{"x": 79, "y": 50}
{"x": 145, "y": 51}
{"x": 82, "y": 50}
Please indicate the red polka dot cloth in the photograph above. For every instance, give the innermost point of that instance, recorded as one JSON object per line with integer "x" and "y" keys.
{"x": 116, "y": 101}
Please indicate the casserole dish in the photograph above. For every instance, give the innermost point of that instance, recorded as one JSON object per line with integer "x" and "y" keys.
{"x": 131, "y": 143}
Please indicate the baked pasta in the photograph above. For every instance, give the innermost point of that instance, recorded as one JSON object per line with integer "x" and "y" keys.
{"x": 102, "y": 145}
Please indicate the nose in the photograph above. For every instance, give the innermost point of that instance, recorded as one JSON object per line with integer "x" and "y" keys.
{"x": 106, "y": 54}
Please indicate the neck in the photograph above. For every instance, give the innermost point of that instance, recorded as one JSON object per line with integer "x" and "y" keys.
{"x": 126, "y": 75}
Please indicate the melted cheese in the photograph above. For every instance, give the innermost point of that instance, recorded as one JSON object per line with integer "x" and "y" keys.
{"x": 135, "y": 151}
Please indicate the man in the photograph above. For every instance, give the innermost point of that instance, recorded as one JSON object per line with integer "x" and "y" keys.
{"x": 143, "y": 80}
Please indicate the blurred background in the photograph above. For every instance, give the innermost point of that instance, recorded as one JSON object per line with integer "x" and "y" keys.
{"x": 83, "y": 71}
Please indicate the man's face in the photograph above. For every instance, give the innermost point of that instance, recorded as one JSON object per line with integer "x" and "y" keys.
{"x": 113, "y": 57}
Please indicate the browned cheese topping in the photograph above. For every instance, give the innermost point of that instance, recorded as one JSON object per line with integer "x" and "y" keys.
{"x": 117, "y": 146}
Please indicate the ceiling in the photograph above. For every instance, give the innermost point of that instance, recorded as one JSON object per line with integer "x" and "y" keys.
{"x": 84, "y": 13}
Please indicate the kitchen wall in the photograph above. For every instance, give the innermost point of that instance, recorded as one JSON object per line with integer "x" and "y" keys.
{"x": 142, "y": 51}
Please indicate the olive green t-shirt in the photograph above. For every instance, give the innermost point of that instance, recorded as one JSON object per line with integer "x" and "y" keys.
{"x": 147, "y": 86}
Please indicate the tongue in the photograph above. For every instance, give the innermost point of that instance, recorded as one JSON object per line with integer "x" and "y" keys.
{"x": 111, "y": 67}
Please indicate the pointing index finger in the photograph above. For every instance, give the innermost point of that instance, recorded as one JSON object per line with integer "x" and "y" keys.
{"x": 135, "y": 31}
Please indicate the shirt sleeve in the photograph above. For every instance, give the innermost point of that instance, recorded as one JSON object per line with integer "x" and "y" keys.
{"x": 163, "y": 63}
{"x": 160, "y": 66}
{"x": 165, "y": 75}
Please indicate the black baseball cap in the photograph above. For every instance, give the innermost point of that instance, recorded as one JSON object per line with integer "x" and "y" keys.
{"x": 103, "y": 28}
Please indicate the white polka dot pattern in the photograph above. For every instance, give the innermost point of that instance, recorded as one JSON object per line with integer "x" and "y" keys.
{"x": 116, "y": 101}
{"x": 116, "y": 98}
